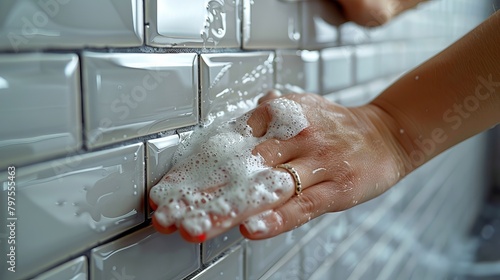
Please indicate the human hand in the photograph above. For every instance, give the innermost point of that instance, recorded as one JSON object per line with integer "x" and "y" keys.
{"x": 375, "y": 12}
{"x": 344, "y": 156}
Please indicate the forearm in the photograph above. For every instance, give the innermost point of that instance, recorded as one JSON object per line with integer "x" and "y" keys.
{"x": 448, "y": 99}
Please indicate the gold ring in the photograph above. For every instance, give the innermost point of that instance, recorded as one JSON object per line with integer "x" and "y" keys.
{"x": 295, "y": 175}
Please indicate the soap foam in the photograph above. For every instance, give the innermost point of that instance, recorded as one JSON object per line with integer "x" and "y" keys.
{"x": 215, "y": 177}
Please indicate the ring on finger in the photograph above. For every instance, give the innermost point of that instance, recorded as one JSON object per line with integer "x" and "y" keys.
{"x": 295, "y": 175}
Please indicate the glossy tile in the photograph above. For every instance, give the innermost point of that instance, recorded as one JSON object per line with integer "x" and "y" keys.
{"x": 69, "y": 205}
{"x": 40, "y": 114}
{"x": 393, "y": 58}
{"x": 337, "y": 69}
{"x": 193, "y": 24}
{"x": 298, "y": 71}
{"x": 265, "y": 28}
{"x": 261, "y": 255}
{"x": 63, "y": 24}
{"x": 290, "y": 270}
{"x": 317, "y": 250}
{"x": 214, "y": 247}
{"x": 145, "y": 254}
{"x": 367, "y": 63}
{"x": 159, "y": 154}
{"x": 234, "y": 81}
{"x": 127, "y": 95}
{"x": 76, "y": 269}
{"x": 320, "y": 24}
{"x": 352, "y": 34}
{"x": 228, "y": 267}
{"x": 353, "y": 96}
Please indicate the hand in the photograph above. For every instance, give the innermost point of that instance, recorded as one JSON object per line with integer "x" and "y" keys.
{"x": 372, "y": 13}
{"x": 344, "y": 157}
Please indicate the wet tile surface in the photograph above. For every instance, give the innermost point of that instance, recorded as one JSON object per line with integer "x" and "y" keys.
{"x": 131, "y": 95}
{"x": 74, "y": 203}
{"x": 65, "y": 24}
{"x": 45, "y": 124}
{"x": 145, "y": 254}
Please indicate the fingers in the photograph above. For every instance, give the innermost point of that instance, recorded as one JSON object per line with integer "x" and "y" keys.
{"x": 374, "y": 13}
{"x": 272, "y": 94}
{"x": 297, "y": 211}
{"x": 222, "y": 208}
{"x": 275, "y": 152}
{"x": 261, "y": 116}
{"x": 259, "y": 121}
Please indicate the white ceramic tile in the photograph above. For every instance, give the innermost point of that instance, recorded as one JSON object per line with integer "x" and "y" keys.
{"x": 353, "y": 96}
{"x": 323, "y": 244}
{"x": 298, "y": 71}
{"x": 290, "y": 270}
{"x": 194, "y": 23}
{"x": 40, "y": 107}
{"x": 130, "y": 95}
{"x": 367, "y": 63}
{"x": 159, "y": 153}
{"x": 336, "y": 69}
{"x": 230, "y": 82}
{"x": 392, "y": 57}
{"x": 261, "y": 255}
{"x": 76, "y": 269}
{"x": 214, "y": 247}
{"x": 228, "y": 267}
{"x": 375, "y": 88}
{"x": 271, "y": 24}
{"x": 145, "y": 254}
{"x": 29, "y": 24}
{"x": 68, "y": 205}
{"x": 320, "y": 24}
{"x": 351, "y": 33}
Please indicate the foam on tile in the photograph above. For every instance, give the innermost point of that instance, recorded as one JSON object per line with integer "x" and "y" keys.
{"x": 215, "y": 177}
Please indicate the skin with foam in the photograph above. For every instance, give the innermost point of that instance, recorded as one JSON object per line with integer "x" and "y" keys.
{"x": 216, "y": 180}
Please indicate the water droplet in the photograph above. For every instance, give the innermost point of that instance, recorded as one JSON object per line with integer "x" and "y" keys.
{"x": 103, "y": 228}
{"x": 124, "y": 158}
{"x": 487, "y": 232}
{"x": 114, "y": 267}
{"x": 417, "y": 77}
{"x": 60, "y": 203}
{"x": 135, "y": 193}
{"x": 401, "y": 131}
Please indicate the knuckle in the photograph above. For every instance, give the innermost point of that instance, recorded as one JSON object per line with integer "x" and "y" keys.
{"x": 307, "y": 203}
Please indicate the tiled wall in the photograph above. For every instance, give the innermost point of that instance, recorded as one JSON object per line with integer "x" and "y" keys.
{"x": 95, "y": 96}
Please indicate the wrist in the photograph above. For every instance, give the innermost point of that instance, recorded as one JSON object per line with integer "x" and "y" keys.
{"x": 396, "y": 135}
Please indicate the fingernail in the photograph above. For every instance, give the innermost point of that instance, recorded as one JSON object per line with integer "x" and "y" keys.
{"x": 201, "y": 238}
{"x": 263, "y": 222}
{"x": 276, "y": 92}
{"x": 161, "y": 218}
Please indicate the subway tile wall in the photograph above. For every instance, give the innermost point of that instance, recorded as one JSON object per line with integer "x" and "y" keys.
{"x": 95, "y": 96}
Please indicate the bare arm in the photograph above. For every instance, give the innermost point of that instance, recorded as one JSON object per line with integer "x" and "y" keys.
{"x": 374, "y": 13}
{"x": 448, "y": 99}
